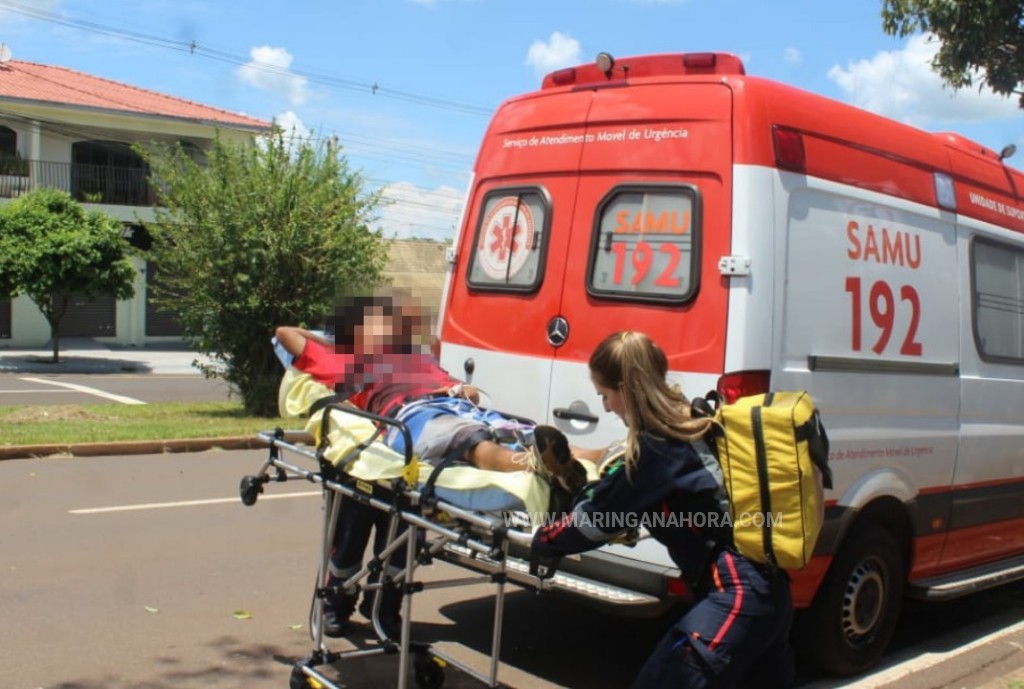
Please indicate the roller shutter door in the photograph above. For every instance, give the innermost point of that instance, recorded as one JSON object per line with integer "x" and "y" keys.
{"x": 5, "y": 319}
{"x": 86, "y": 317}
{"x": 159, "y": 323}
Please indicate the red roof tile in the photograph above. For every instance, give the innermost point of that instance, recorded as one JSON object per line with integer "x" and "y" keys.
{"x": 45, "y": 83}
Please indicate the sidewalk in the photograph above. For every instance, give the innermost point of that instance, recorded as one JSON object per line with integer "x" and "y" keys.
{"x": 87, "y": 356}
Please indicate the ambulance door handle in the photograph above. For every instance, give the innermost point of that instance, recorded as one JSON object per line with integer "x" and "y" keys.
{"x": 573, "y": 415}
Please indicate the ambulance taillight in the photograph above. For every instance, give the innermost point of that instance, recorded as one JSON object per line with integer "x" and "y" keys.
{"x": 789, "y": 148}
{"x": 700, "y": 60}
{"x": 733, "y": 386}
{"x": 564, "y": 77}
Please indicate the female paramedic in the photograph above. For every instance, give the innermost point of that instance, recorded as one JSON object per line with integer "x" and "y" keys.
{"x": 739, "y": 621}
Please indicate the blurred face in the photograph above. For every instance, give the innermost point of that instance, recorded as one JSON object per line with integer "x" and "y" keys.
{"x": 612, "y": 399}
{"x": 376, "y": 332}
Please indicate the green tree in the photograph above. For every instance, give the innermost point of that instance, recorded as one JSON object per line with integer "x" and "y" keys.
{"x": 255, "y": 237}
{"x": 985, "y": 35}
{"x": 51, "y": 248}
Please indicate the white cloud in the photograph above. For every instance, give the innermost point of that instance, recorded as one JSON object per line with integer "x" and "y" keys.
{"x": 901, "y": 84}
{"x": 294, "y": 130}
{"x": 793, "y": 56}
{"x": 560, "y": 51}
{"x": 411, "y": 211}
{"x": 270, "y": 69}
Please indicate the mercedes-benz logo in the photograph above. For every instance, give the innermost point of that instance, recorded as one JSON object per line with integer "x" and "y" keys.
{"x": 558, "y": 331}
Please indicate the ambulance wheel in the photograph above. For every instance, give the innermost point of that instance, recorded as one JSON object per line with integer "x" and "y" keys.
{"x": 429, "y": 673}
{"x": 854, "y": 614}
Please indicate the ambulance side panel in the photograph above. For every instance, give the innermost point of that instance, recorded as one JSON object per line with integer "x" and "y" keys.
{"x": 869, "y": 324}
{"x": 988, "y": 487}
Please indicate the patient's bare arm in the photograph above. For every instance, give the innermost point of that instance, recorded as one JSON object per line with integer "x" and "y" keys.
{"x": 293, "y": 339}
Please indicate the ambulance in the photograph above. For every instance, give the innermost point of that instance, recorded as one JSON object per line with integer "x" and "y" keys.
{"x": 766, "y": 238}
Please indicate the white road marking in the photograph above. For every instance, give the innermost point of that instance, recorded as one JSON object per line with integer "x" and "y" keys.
{"x": 46, "y": 390}
{"x": 918, "y": 662}
{"x": 186, "y": 503}
{"x": 87, "y": 390}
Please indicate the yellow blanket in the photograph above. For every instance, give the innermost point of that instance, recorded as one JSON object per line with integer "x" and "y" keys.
{"x": 462, "y": 485}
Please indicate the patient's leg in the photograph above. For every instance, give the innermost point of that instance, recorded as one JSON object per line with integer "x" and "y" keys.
{"x": 551, "y": 457}
{"x": 494, "y": 457}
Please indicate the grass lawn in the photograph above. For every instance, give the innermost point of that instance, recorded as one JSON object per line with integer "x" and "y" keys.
{"x": 67, "y": 424}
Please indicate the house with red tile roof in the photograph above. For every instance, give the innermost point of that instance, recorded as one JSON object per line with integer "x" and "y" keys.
{"x": 69, "y": 130}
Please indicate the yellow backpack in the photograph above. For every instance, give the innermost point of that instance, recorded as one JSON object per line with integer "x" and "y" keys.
{"x": 773, "y": 451}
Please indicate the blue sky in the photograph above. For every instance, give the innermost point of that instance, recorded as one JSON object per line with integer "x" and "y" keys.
{"x": 441, "y": 66}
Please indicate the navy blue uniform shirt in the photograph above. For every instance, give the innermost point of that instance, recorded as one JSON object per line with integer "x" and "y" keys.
{"x": 673, "y": 491}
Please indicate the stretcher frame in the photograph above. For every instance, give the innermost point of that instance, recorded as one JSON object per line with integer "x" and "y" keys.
{"x": 478, "y": 534}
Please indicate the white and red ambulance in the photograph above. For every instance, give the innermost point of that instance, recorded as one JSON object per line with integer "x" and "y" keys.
{"x": 765, "y": 237}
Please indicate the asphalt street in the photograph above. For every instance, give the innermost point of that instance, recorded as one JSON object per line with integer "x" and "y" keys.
{"x": 120, "y": 572}
{"x": 128, "y": 571}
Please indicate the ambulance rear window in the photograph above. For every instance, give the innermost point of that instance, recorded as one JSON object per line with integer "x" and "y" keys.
{"x": 510, "y": 241}
{"x": 998, "y": 286}
{"x": 643, "y": 244}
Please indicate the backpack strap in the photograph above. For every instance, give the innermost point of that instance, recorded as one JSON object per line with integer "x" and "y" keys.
{"x": 817, "y": 443}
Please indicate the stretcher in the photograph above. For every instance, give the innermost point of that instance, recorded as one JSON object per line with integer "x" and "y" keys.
{"x": 440, "y": 512}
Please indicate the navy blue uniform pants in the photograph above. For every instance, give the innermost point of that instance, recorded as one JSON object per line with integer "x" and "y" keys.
{"x": 352, "y": 534}
{"x": 740, "y": 629}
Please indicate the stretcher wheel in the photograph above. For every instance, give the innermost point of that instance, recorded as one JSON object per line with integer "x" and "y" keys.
{"x": 300, "y": 680}
{"x": 429, "y": 671}
{"x": 249, "y": 490}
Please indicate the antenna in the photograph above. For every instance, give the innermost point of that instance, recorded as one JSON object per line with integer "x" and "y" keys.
{"x": 5, "y": 53}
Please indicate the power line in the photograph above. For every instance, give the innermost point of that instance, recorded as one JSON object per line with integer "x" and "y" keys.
{"x": 194, "y": 48}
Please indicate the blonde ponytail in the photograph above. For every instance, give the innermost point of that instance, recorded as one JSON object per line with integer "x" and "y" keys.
{"x": 632, "y": 362}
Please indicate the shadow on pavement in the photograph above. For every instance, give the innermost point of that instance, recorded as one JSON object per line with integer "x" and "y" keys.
{"x": 560, "y": 640}
{"x": 71, "y": 364}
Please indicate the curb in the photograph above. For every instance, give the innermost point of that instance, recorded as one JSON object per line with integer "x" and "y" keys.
{"x": 133, "y": 447}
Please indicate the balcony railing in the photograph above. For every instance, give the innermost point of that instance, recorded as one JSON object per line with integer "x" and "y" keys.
{"x": 121, "y": 186}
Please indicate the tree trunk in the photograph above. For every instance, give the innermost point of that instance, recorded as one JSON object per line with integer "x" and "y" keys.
{"x": 54, "y": 316}
{"x": 55, "y": 336}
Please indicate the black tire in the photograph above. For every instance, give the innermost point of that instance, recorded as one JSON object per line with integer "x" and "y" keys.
{"x": 249, "y": 489}
{"x": 429, "y": 674}
{"x": 854, "y": 614}
{"x": 298, "y": 679}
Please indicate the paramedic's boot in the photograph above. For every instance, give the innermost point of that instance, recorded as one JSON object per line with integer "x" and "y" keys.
{"x": 552, "y": 447}
{"x": 338, "y": 608}
{"x": 390, "y": 610}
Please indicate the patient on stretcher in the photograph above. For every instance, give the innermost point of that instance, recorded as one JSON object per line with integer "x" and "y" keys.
{"x": 374, "y": 363}
{"x": 375, "y": 366}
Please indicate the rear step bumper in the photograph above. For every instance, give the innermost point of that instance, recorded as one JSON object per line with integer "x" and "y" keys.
{"x": 631, "y": 601}
{"x": 947, "y": 586}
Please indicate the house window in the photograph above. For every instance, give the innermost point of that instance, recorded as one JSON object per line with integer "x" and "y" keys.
{"x": 8, "y": 141}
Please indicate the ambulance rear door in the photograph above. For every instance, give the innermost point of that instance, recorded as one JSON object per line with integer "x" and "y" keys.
{"x": 507, "y": 279}
{"x": 651, "y": 221}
